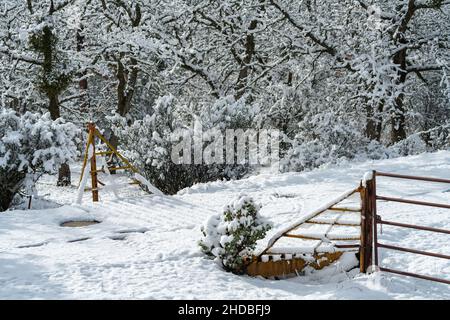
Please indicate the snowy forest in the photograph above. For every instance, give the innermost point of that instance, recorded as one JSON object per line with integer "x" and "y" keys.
{"x": 339, "y": 79}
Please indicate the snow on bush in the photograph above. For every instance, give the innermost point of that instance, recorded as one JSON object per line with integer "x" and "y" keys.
{"x": 423, "y": 141}
{"x": 148, "y": 142}
{"x": 230, "y": 237}
{"x": 30, "y": 145}
{"x": 322, "y": 140}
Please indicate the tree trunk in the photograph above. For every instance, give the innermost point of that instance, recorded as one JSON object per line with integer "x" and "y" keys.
{"x": 398, "y": 131}
{"x": 10, "y": 182}
{"x": 64, "y": 175}
{"x": 126, "y": 85}
{"x": 125, "y": 91}
{"x": 398, "y": 128}
{"x": 241, "y": 84}
{"x": 374, "y": 122}
{"x": 53, "y": 106}
{"x": 52, "y": 91}
{"x": 83, "y": 83}
{"x": 6, "y": 198}
{"x": 122, "y": 105}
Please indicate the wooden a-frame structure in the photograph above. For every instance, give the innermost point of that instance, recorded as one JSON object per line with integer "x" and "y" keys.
{"x": 93, "y": 133}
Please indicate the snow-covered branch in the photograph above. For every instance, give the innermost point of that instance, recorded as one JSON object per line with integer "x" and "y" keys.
{"x": 20, "y": 57}
{"x": 418, "y": 68}
{"x": 430, "y": 4}
{"x": 309, "y": 34}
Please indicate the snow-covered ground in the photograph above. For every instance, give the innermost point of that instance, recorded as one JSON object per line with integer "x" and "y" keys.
{"x": 146, "y": 246}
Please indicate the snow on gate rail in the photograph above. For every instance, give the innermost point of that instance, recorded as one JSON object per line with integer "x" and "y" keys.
{"x": 316, "y": 240}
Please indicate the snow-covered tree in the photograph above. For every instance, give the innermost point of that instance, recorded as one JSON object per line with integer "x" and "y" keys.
{"x": 338, "y": 78}
{"x": 34, "y": 46}
{"x": 31, "y": 145}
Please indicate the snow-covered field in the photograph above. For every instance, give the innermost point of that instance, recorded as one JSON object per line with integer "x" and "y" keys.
{"x": 146, "y": 246}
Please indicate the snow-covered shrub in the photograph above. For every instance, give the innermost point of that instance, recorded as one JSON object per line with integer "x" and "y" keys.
{"x": 30, "y": 145}
{"x": 323, "y": 139}
{"x": 424, "y": 141}
{"x": 230, "y": 237}
{"x": 149, "y": 142}
{"x": 227, "y": 113}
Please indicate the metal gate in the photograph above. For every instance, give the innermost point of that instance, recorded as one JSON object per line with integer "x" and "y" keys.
{"x": 370, "y": 221}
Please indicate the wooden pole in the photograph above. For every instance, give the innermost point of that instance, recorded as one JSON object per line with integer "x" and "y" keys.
{"x": 94, "y": 181}
{"x": 85, "y": 158}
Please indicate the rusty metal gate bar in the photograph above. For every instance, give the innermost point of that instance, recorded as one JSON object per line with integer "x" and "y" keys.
{"x": 372, "y": 220}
